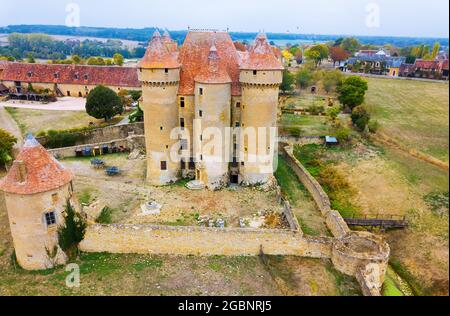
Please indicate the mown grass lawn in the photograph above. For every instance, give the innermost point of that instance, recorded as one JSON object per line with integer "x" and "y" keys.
{"x": 415, "y": 113}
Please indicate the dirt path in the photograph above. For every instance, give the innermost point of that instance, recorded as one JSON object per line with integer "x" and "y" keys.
{"x": 63, "y": 104}
{"x": 8, "y": 123}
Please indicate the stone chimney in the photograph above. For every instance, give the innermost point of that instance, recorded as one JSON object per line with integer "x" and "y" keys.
{"x": 21, "y": 171}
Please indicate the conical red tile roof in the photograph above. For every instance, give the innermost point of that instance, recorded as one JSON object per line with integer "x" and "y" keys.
{"x": 158, "y": 56}
{"x": 261, "y": 56}
{"x": 42, "y": 171}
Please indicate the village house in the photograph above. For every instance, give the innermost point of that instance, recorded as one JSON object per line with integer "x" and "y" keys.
{"x": 376, "y": 63}
{"x": 430, "y": 69}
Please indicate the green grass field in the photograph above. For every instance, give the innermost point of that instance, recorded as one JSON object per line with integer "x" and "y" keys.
{"x": 415, "y": 113}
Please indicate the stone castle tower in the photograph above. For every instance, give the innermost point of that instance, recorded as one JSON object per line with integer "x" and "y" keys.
{"x": 205, "y": 92}
{"x": 36, "y": 190}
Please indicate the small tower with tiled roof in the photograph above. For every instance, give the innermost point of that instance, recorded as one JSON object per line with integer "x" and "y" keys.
{"x": 159, "y": 73}
{"x": 36, "y": 190}
{"x": 260, "y": 76}
{"x": 212, "y": 113}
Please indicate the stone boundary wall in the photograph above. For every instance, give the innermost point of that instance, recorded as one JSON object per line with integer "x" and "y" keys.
{"x": 202, "y": 241}
{"x": 106, "y": 134}
{"x": 360, "y": 254}
{"x": 303, "y": 140}
{"x": 287, "y": 211}
{"x": 129, "y": 143}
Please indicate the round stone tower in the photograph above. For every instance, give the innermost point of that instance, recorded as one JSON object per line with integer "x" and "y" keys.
{"x": 159, "y": 73}
{"x": 36, "y": 190}
{"x": 213, "y": 116}
{"x": 261, "y": 75}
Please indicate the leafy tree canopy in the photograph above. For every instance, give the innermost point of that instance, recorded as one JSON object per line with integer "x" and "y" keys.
{"x": 352, "y": 91}
{"x": 102, "y": 102}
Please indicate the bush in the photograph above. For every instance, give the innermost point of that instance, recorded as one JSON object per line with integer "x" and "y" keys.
{"x": 360, "y": 118}
{"x": 294, "y": 131}
{"x": 61, "y": 139}
{"x": 7, "y": 142}
{"x": 105, "y": 216}
{"x": 342, "y": 134}
{"x": 373, "y": 126}
{"x": 316, "y": 109}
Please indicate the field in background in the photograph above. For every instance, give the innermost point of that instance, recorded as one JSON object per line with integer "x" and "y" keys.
{"x": 415, "y": 113}
{"x": 36, "y": 121}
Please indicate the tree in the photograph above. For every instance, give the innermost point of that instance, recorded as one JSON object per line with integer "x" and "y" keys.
{"x": 330, "y": 80}
{"x": 298, "y": 56}
{"x": 350, "y": 44}
{"x": 30, "y": 58}
{"x": 317, "y": 53}
{"x": 360, "y": 118}
{"x": 118, "y": 59}
{"x": 333, "y": 113}
{"x": 338, "y": 54}
{"x": 72, "y": 232}
{"x": 7, "y": 142}
{"x": 76, "y": 59}
{"x": 288, "y": 81}
{"x": 303, "y": 77}
{"x": 436, "y": 49}
{"x": 102, "y": 102}
{"x": 352, "y": 91}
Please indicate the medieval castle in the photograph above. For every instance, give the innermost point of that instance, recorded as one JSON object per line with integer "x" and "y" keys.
{"x": 209, "y": 84}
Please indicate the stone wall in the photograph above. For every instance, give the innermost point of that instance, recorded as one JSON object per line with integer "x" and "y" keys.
{"x": 145, "y": 239}
{"x": 359, "y": 254}
{"x": 129, "y": 143}
{"x": 106, "y": 134}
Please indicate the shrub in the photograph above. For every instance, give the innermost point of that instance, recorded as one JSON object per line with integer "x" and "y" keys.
{"x": 342, "y": 134}
{"x": 7, "y": 142}
{"x": 373, "y": 126}
{"x": 105, "y": 216}
{"x": 360, "y": 118}
{"x": 316, "y": 109}
{"x": 60, "y": 139}
{"x": 294, "y": 131}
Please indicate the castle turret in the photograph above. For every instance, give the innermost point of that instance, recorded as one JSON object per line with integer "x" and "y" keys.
{"x": 260, "y": 77}
{"x": 213, "y": 114}
{"x": 36, "y": 190}
{"x": 159, "y": 73}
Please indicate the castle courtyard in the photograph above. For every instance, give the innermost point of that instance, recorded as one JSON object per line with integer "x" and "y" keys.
{"x": 125, "y": 193}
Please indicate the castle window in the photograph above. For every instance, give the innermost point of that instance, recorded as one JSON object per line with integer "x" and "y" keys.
{"x": 255, "y": 72}
{"x": 80, "y": 94}
{"x": 201, "y": 137}
{"x": 163, "y": 165}
{"x": 68, "y": 93}
{"x": 238, "y": 124}
{"x": 182, "y": 123}
{"x": 160, "y": 128}
{"x": 238, "y": 104}
{"x": 200, "y": 113}
{"x": 201, "y": 91}
{"x": 85, "y": 77}
{"x": 30, "y": 74}
{"x": 166, "y": 70}
{"x": 183, "y": 164}
{"x": 56, "y": 75}
{"x": 182, "y": 102}
{"x": 184, "y": 144}
{"x": 50, "y": 218}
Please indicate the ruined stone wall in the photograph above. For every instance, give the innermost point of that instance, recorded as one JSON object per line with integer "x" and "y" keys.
{"x": 129, "y": 143}
{"x": 106, "y": 134}
{"x": 202, "y": 241}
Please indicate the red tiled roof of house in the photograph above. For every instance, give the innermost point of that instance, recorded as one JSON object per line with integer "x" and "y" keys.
{"x": 42, "y": 172}
{"x": 427, "y": 64}
{"x": 194, "y": 59}
{"x": 214, "y": 71}
{"x": 159, "y": 55}
{"x": 71, "y": 74}
{"x": 261, "y": 56}
{"x": 444, "y": 65}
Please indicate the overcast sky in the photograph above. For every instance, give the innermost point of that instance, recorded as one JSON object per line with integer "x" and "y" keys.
{"x": 418, "y": 18}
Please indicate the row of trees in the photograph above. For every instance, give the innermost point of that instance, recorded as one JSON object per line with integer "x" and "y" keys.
{"x": 307, "y": 75}
{"x": 117, "y": 60}
{"x": 45, "y": 47}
